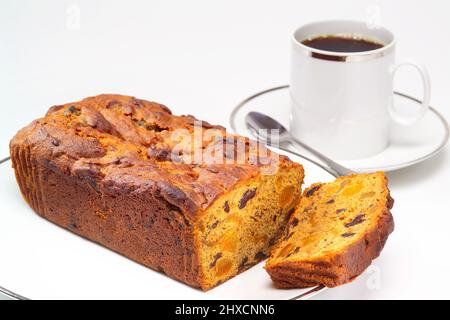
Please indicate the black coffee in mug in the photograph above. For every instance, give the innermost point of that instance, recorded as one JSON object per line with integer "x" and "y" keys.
{"x": 338, "y": 43}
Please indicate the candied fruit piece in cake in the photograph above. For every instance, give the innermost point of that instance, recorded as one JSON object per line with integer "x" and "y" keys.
{"x": 336, "y": 231}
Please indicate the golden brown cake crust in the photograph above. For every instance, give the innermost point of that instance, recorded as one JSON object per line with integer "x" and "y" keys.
{"x": 102, "y": 138}
{"x": 102, "y": 168}
{"x": 335, "y": 269}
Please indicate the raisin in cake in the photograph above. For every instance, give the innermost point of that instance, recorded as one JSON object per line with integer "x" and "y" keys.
{"x": 105, "y": 169}
{"x": 335, "y": 233}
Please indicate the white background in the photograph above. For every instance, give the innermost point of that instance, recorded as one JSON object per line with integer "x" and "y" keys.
{"x": 202, "y": 58}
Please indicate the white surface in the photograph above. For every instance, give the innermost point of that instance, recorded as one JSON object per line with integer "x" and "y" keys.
{"x": 203, "y": 57}
{"x": 407, "y": 145}
{"x": 57, "y": 264}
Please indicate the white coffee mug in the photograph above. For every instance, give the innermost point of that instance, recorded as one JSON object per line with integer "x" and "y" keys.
{"x": 342, "y": 103}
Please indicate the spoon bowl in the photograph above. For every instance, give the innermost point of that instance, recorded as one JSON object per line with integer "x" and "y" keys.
{"x": 264, "y": 127}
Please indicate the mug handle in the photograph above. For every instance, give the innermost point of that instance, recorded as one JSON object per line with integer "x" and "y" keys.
{"x": 426, "y": 93}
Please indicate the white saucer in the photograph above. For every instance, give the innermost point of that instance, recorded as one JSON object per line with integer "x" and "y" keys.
{"x": 408, "y": 145}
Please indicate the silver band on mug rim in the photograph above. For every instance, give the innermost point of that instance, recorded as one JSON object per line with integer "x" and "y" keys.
{"x": 343, "y": 56}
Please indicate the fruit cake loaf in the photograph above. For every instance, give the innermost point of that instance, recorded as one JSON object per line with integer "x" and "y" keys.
{"x": 335, "y": 233}
{"x": 105, "y": 168}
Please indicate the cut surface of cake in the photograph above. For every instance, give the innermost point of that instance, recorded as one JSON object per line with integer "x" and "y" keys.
{"x": 123, "y": 172}
{"x": 336, "y": 231}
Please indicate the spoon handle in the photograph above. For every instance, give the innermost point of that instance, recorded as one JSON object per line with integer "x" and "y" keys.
{"x": 334, "y": 166}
